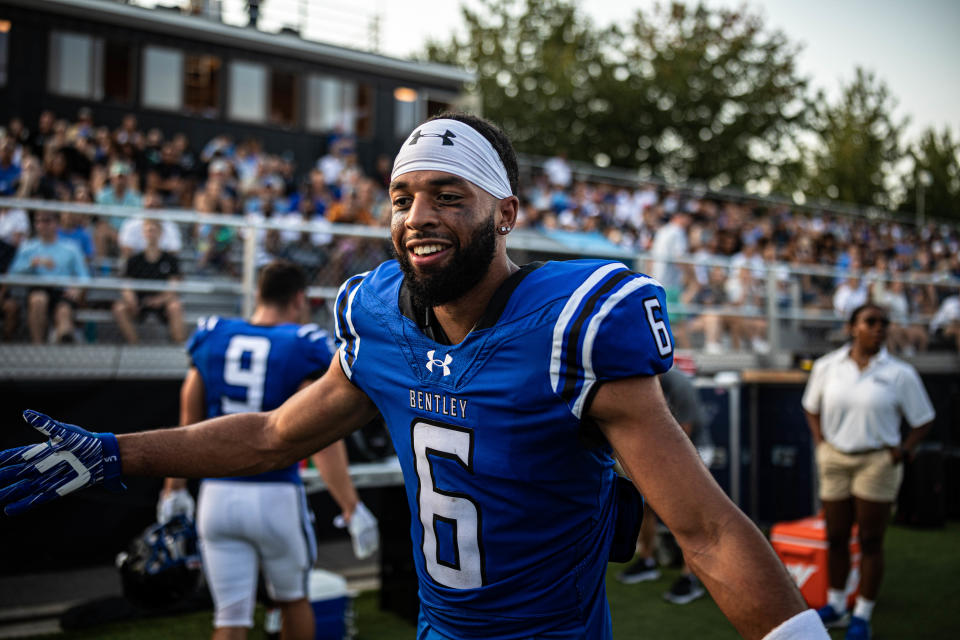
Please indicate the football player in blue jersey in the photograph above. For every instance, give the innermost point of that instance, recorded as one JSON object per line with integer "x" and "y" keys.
{"x": 508, "y": 392}
{"x": 260, "y": 522}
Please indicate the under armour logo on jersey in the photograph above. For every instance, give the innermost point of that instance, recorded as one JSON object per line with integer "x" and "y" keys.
{"x": 446, "y": 135}
{"x": 436, "y": 362}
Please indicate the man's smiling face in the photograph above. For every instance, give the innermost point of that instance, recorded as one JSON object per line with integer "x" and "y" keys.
{"x": 443, "y": 234}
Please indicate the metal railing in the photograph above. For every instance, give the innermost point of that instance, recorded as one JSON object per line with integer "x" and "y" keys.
{"x": 321, "y": 20}
{"x": 776, "y": 296}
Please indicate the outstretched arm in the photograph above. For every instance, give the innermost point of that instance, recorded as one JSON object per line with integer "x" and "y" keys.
{"x": 721, "y": 545}
{"x": 250, "y": 443}
{"x": 238, "y": 444}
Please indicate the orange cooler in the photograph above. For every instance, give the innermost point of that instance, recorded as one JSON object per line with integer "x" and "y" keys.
{"x": 802, "y": 546}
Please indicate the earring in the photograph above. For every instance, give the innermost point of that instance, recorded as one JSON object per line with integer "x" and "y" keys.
{"x": 504, "y": 229}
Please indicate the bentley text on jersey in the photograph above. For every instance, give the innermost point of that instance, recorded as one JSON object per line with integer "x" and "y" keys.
{"x": 438, "y": 403}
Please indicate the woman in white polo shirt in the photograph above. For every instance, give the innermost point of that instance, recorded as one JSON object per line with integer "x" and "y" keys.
{"x": 854, "y": 402}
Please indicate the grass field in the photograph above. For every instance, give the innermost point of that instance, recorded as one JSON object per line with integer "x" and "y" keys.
{"x": 920, "y": 599}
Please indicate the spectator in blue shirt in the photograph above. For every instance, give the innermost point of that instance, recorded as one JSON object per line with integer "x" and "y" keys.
{"x": 120, "y": 191}
{"x": 9, "y": 170}
{"x": 76, "y": 226}
{"x": 48, "y": 256}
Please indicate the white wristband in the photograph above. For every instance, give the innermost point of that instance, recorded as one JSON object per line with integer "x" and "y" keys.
{"x": 803, "y": 626}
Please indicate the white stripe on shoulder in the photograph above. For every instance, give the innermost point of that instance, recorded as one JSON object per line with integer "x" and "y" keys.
{"x": 569, "y": 309}
{"x": 337, "y": 329}
{"x": 353, "y": 330}
{"x": 347, "y": 370}
{"x": 593, "y": 328}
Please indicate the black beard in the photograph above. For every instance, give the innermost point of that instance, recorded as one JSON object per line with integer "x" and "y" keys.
{"x": 467, "y": 268}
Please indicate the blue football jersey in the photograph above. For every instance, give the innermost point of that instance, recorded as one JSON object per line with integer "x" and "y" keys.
{"x": 512, "y": 504}
{"x": 246, "y": 367}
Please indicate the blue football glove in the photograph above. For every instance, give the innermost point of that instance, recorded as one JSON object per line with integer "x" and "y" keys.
{"x": 72, "y": 459}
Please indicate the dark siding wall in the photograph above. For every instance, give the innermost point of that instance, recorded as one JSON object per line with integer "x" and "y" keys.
{"x": 26, "y": 94}
{"x": 26, "y": 70}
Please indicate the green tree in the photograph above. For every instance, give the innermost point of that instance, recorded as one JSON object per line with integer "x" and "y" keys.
{"x": 936, "y": 159}
{"x": 860, "y": 144}
{"x": 698, "y": 93}
{"x": 706, "y": 94}
{"x": 536, "y": 63}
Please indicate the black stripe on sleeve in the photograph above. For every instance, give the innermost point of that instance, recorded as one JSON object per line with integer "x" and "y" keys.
{"x": 348, "y": 337}
{"x": 573, "y": 342}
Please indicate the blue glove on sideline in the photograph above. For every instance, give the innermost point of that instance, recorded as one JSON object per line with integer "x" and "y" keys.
{"x": 72, "y": 459}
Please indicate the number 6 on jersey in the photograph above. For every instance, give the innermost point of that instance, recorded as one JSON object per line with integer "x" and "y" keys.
{"x": 458, "y": 511}
{"x": 661, "y": 336}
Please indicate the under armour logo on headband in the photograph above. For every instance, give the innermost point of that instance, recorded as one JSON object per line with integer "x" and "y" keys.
{"x": 473, "y": 157}
{"x": 446, "y": 135}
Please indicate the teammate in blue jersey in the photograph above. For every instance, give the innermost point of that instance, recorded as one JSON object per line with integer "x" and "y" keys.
{"x": 260, "y": 522}
{"x": 508, "y": 392}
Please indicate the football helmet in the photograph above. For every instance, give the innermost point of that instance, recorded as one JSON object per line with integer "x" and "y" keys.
{"x": 162, "y": 565}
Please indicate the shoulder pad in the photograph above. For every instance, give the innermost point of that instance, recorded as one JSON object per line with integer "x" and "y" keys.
{"x": 205, "y": 325}
{"x": 318, "y": 337}
{"x": 348, "y": 339}
{"x": 613, "y": 325}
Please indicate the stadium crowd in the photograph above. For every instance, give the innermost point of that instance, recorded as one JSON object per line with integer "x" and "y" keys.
{"x": 711, "y": 253}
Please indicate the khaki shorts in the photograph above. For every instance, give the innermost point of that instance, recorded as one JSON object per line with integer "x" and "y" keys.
{"x": 871, "y": 476}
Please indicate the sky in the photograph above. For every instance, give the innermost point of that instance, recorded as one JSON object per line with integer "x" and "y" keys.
{"x": 913, "y": 46}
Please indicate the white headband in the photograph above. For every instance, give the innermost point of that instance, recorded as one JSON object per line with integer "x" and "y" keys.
{"x": 453, "y": 147}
